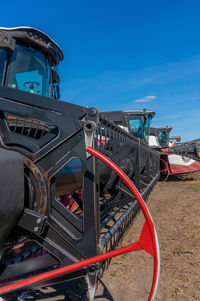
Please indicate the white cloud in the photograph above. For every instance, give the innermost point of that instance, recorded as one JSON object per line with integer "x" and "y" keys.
{"x": 146, "y": 98}
{"x": 196, "y": 98}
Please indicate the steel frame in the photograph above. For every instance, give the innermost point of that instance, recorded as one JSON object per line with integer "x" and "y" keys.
{"x": 67, "y": 130}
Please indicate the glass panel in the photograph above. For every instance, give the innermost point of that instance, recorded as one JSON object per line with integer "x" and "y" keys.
{"x": 136, "y": 126}
{"x": 69, "y": 186}
{"x": 29, "y": 71}
{"x": 3, "y": 56}
{"x": 163, "y": 137}
{"x": 147, "y": 128}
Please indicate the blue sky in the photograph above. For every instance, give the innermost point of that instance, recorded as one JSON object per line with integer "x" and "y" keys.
{"x": 124, "y": 55}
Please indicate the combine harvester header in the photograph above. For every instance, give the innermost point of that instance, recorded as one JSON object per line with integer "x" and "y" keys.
{"x": 64, "y": 203}
{"x": 190, "y": 149}
{"x": 176, "y": 158}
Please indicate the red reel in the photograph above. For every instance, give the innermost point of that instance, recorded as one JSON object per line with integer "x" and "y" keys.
{"x": 148, "y": 241}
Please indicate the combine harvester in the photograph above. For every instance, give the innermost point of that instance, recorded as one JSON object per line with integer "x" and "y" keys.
{"x": 171, "y": 162}
{"x": 65, "y": 206}
{"x": 190, "y": 149}
{"x": 159, "y": 137}
{"x": 138, "y": 124}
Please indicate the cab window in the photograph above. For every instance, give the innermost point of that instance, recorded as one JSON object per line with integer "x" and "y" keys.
{"x": 29, "y": 71}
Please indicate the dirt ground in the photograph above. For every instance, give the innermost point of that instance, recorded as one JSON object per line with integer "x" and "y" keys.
{"x": 175, "y": 208}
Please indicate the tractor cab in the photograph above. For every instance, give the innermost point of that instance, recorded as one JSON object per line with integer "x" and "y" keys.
{"x": 136, "y": 123}
{"x": 162, "y": 134}
{"x": 28, "y": 59}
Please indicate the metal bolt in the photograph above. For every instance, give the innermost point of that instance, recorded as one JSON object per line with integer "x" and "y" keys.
{"x": 92, "y": 112}
{"x": 36, "y": 229}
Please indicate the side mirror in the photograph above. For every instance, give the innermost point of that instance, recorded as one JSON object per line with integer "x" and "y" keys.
{"x": 143, "y": 119}
{"x": 55, "y": 82}
{"x": 57, "y": 92}
{"x": 55, "y": 77}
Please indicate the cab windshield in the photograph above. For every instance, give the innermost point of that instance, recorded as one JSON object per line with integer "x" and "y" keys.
{"x": 29, "y": 71}
{"x": 163, "y": 137}
{"x": 137, "y": 128}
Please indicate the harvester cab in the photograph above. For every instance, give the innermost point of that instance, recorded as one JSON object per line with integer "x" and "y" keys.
{"x": 28, "y": 61}
{"x": 137, "y": 123}
{"x": 159, "y": 136}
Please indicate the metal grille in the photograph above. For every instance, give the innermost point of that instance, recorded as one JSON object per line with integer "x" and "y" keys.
{"x": 27, "y": 126}
{"x": 120, "y": 221}
{"x": 117, "y": 212}
{"x": 113, "y": 141}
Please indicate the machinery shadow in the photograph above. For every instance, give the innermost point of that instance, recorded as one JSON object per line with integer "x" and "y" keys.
{"x": 106, "y": 295}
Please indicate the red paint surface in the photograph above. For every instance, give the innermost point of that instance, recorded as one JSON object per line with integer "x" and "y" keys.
{"x": 179, "y": 169}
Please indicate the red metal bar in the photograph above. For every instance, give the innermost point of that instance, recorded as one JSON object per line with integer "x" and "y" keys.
{"x": 145, "y": 210}
{"x": 166, "y": 169}
{"x": 148, "y": 242}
